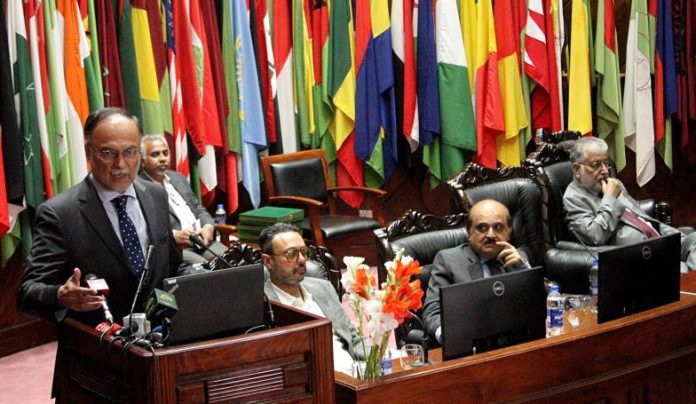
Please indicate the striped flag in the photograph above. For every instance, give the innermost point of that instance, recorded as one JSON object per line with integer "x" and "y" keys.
{"x": 638, "y": 108}
{"x": 579, "y": 76}
{"x": 666, "y": 102}
{"x": 514, "y": 111}
{"x": 490, "y": 121}
{"x": 282, "y": 57}
{"x": 609, "y": 109}
{"x": 303, "y": 71}
{"x": 264, "y": 59}
{"x": 403, "y": 46}
{"x": 559, "y": 43}
{"x": 4, "y": 208}
{"x": 112, "y": 80}
{"x": 458, "y": 126}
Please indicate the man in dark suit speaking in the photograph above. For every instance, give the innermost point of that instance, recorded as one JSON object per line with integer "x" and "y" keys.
{"x": 103, "y": 226}
{"x": 187, "y": 216}
{"x": 488, "y": 253}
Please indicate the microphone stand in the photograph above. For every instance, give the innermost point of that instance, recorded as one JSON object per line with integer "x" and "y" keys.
{"x": 198, "y": 241}
{"x": 139, "y": 290}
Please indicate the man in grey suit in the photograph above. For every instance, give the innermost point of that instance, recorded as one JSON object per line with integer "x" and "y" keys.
{"x": 186, "y": 214}
{"x": 488, "y": 253}
{"x": 285, "y": 255}
{"x": 102, "y": 226}
{"x": 599, "y": 210}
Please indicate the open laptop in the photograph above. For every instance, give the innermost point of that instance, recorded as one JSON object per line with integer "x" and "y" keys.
{"x": 216, "y": 303}
{"x": 639, "y": 276}
{"x": 492, "y": 313}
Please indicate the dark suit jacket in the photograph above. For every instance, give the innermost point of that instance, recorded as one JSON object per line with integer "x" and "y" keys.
{"x": 182, "y": 186}
{"x": 454, "y": 265}
{"x": 73, "y": 230}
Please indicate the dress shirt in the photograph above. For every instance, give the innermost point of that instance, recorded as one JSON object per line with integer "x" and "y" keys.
{"x": 181, "y": 209}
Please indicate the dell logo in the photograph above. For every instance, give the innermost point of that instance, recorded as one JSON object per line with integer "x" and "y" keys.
{"x": 646, "y": 252}
{"x": 498, "y": 288}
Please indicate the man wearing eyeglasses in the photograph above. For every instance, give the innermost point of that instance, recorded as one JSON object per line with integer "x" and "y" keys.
{"x": 284, "y": 256}
{"x": 599, "y": 210}
{"x": 104, "y": 226}
{"x": 186, "y": 215}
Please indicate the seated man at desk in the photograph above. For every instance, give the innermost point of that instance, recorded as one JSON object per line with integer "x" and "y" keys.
{"x": 488, "y": 253}
{"x": 186, "y": 214}
{"x": 285, "y": 255}
{"x": 599, "y": 211}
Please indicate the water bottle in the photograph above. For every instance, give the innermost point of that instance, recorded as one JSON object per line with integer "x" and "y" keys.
{"x": 387, "y": 365}
{"x": 220, "y": 214}
{"x": 594, "y": 284}
{"x": 554, "y": 312}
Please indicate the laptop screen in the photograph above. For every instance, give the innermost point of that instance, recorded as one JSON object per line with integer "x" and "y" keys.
{"x": 639, "y": 276}
{"x": 216, "y": 303}
{"x": 492, "y": 313}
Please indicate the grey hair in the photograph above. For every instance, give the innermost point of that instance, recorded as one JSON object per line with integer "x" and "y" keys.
{"x": 582, "y": 146}
{"x": 151, "y": 138}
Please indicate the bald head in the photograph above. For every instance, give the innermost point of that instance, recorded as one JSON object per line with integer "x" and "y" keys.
{"x": 489, "y": 222}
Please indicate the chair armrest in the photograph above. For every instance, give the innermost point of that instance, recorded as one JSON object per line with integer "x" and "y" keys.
{"x": 296, "y": 200}
{"x": 374, "y": 197}
{"x": 647, "y": 206}
{"x": 663, "y": 212}
{"x": 374, "y": 191}
{"x": 313, "y": 207}
{"x": 569, "y": 268}
{"x": 225, "y": 231}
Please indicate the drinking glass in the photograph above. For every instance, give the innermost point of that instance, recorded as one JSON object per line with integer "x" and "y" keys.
{"x": 578, "y": 307}
{"x": 412, "y": 356}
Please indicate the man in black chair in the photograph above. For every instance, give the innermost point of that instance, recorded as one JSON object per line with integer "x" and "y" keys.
{"x": 599, "y": 210}
{"x": 488, "y": 253}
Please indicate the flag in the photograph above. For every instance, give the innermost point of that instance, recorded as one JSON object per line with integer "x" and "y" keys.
{"x": 4, "y": 208}
{"x": 303, "y": 71}
{"x": 264, "y": 60}
{"x": 341, "y": 90}
{"x": 251, "y": 116}
{"x": 402, "y": 22}
{"x": 490, "y": 121}
{"x": 666, "y": 102}
{"x": 282, "y": 57}
{"x": 514, "y": 112}
{"x": 540, "y": 64}
{"x": 579, "y": 80}
{"x": 458, "y": 126}
{"x": 157, "y": 24}
{"x": 638, "y": 108}
{"x": 112, "y": 80}
{"x": 559, "y": 44}
{"x": 428, "y": 98}
{"x": 609, "y": 110}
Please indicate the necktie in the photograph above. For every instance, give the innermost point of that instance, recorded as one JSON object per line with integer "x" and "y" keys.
{"x": 494, "y": 267}
{"x": 641, "y": 224}
{"x": 129, "y": 237}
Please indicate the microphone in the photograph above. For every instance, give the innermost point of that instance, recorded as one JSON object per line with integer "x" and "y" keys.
{"x": 583, "y": 244}
{"x": 198, "y": 241}
{"x": 138, "y": 291}
{"x": 419, "y": 337}
{"x": 107, "y": 328}
{"x": 99, "y": 285}
{"x": 160, "y": 305}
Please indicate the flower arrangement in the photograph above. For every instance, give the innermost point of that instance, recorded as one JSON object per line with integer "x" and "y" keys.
{"x": 379, "y": 310}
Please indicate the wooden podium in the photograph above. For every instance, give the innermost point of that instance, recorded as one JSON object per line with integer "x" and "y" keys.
{"x": 293, "y": 362}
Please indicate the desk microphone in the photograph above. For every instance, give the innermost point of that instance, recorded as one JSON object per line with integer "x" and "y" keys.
{"x": 583, "y": 244}
{"x": 138, "y": 291}
{"x": 198, "y": 241}
{"x": 99, "y": 285}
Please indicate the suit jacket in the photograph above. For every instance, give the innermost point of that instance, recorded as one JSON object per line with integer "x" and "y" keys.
{"x": 451, "y": 266}
{"x": 73, "y": 230}
{"x": 325, "y": 295}
{"x": 598, "y": 221}
{"x": 182, "y": 186}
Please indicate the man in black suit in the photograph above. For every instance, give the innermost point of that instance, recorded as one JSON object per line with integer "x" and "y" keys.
{"x": 186, "y": 215}
{"x": 488, "y": 253}
{"x": 102, "y": 226}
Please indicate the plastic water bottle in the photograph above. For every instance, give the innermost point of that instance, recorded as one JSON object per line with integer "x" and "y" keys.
{"x": 594, "y": 284}
{"x": 387, "y": 365}
{"x": 220, "y": 214}
{"x": 554, "y": 312}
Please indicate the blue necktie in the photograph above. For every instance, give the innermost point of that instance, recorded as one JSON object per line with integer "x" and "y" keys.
{"x": 495, "y": 267}
{"x": 129, "y": 237}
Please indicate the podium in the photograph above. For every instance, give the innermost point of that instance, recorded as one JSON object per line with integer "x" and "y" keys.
{"x": 293, "y": 362}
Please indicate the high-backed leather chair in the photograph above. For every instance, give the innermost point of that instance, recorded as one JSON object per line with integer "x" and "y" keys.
{"x": 421, "y": 236}
{"x": 302, "y": 179}
{"x": 514, "y": 187}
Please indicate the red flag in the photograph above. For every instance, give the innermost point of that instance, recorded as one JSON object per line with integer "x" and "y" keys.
{"x": 4, "y": 207}
{"x": 262, "y": 52}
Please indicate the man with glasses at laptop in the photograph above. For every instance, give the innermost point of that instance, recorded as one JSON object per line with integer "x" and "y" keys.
{"x": 285, "y": 255}
{"x": 487, "y": 254}
{"x": 599, "y": 210}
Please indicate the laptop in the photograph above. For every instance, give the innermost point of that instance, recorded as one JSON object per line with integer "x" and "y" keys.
{"x": 492, "y": 313}
{"x": 639, "y": 276}
{"x": 217, "y": 303}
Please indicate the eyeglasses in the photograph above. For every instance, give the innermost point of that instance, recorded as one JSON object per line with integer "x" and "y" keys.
{"x": 292, "y": 253}
{"x": 595, "y": 165}
{"x": 107, "y": 154}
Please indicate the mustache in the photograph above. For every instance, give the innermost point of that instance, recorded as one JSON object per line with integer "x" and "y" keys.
{"x": 123, "y": 171}
{"x": 488, "y": 240}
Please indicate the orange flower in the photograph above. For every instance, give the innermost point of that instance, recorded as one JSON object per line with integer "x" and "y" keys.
{"x": 404, "y": 272}
{"x": 362, "y": 283}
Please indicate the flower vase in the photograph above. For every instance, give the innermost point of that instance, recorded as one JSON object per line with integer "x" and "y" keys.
{"x": 371, "y": 368}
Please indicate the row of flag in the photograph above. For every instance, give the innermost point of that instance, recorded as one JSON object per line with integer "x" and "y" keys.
{"x": 454, "y": 80}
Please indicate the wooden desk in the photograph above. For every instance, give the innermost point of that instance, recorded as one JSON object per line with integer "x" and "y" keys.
{"x": 649, "y": 356}
{"x": 290, "y": 363}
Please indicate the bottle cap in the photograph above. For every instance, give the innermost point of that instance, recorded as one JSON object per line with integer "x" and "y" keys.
{"x": 553, "y": 287}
